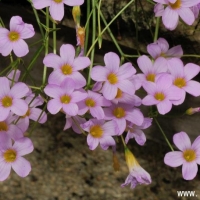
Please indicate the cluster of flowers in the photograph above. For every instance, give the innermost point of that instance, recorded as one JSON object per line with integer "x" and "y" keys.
{"x": 111, "y": 107}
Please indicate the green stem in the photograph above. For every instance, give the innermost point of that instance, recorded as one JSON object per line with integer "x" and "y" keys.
{"x": 163, "y": 133}
{"x": 190, "y": 55}
{"x": 123, "y": 141}
{"x": 119, "y": 13}
{"x": 156, "y": 29}
{"x": 54, "y": 38}
{"x": 46, "y": 45}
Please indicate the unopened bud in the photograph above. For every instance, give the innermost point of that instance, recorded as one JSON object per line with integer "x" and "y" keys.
{"x": 76, "y": 12}
{"x": 80, "y": 31}
{"x": 191, "y": 111}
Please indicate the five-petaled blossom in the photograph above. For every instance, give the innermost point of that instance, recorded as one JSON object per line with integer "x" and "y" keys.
{"x": 161, "y": 93}
{"x": 66, "y": 66}
{"x": 14, "y": 39}
{"x": 100, "y": 132}
{"x": 11, "y": 156}
{"x": 188, "y": 156}
{"x": 56, "y": 7}
{"x": 137, "y": 175}
{"x": 11, "y": 98}
{"x": 64, "y": 97}
{"x": 114, "y": 76}
{"x": 160, "y": 48}
{"x": 175, "y": 8}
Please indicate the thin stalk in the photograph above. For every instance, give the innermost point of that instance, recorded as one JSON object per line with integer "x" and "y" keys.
{"x": 190, "y": 55}
{"x": 163, "y": 133}
{"x": 54, "y": 38}
{"x": 123, "y": 141}
{"x": 156, "y": 29}
{"x": 119, "y": 13}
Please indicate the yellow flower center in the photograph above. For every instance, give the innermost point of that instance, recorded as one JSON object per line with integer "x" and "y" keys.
{"x": 90, "y": 102}
{"x": 180, "y": 82}
{"x": 189, "y": 155}
{"x": 10, "y": 155}
{"x": 150, "y": 77}
{"x": 175, "y": 5}
{"x": 66, "y": 69}
{"x": 96, "y": 131}
{"x": 112, "y": 78}
{"x": 58, "y": 1}
{"x": 65, "y": 99}
{"x": 119, "y": 94}
{"x": 6, "y": 101}
{"x": 159, "y": 96}
{"x": 3, "y": 126}
{"x": 27, "y": 113}
{"x": 119, "y": 112}
{"x": 13, "y": 36}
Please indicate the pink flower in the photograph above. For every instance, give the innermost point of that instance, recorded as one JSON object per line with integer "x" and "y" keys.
{"x": 160, "y": 48}
{"x": 56, "y": 6}
{"x": 100, "y": 132}
{"x": 66, "y": 66}
{"x": 13, "y": 39}
{"x": 11, "y": 156}
{"x": 10, "y": 98}
{"x": 136, "y": 132}
{"x": 64, "y": 97}
{"x": 182, "y": 76}
{"x": 137, "y": 174}
{"x": 121, "y": 113}
{"x": 175, "y": 8}
{"x": 114, "y": 76}
{"x": 161, "y": 93}
{"x": 93, "y": 103}
{"x": 188, "y": 156}
{"x": 151, "y": 70}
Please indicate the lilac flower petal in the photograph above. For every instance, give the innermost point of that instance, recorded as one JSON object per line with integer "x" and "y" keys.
{"x": 78, "y": 96}
{"x": 163, "y": 44}
{"x": 19, "y": 90}
{"x": 16, "y": 23}
{"x": 14, "y": 75}
{"x": 112, "y": 62}
{"x": 75, "y": 127}
{"x": 38, "y": 4}
{"x": 182, "y": 97}
{"x": 19, "y": 107}
{"x": 191, "y": 70}
{"x": 14, "y": 132}
{"x": 99, "y": 73}
{"x": 140, "y": 137}
{"x": 150, "y": 87}
{"x": 35, "y": 114}
{"x": 186, "y": 3}
{"x": 108, "y": 114}
{"x": 53, "y": 91}
{"x": 20, "y": 48}
{"x": 158, "y": 9}
{"x": 92, "y": 142}
{"x": 6, "y": 47}
{"x": 121, "y": 125}
{"x": 56, "y": 77}
{"x": 70, "y": 109}
{"x": 73, "y": 2}
{"x": 97, "y": 112}
{"x": 154, "y": 50}
{"x": 160, "y": 65}
{"x": 68, "y": 85}
{"x": 23, "y": 146}
{"x": 56, "y": 10}
{"x": 149, "y": 100}
{"x": 135, "y": 116}
{"x": 144, "y": 64}
{"x": 27, "y": 32}
{"x": 176, "y": 51}
{"x": 53, "y": 60}
{"x": 126, "y": 71}
{"x": 186, "y": 15}
{"x": 54, "y": 106}
{"x": 21, "y": 166}
{"x": 5, "y": 140}
{"x": 146, "y": 123}
{"x": 68, "y": 123}
{"x": 174, "y": 159}
{"x": 175, "y": 93}
{"x": 107, "y": 141}
{"x": 196, "y": 145}
{"x": 78, "y": 79}
{"x": 67, "y": 53}
{"x": 5, "y": 86}
{"x": 170, "y": 18}
{"x": 23, "y": 124}
{"x": 189, "y": 170}
{"x": 4, "y": 113}
{"x": 81, "y": 63}
{"x": 127, "y": 86}
{"x": 182, "y": 141}
{"x": 110, "y": 128}
{"x": 109, "y": 91}
{"x": 164, "y": 82}
{"x": 193, "y": 88}
{"x": 97, "y": 86}
{"x": 164, "y": 106}
{"x": 5, "y": 169}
